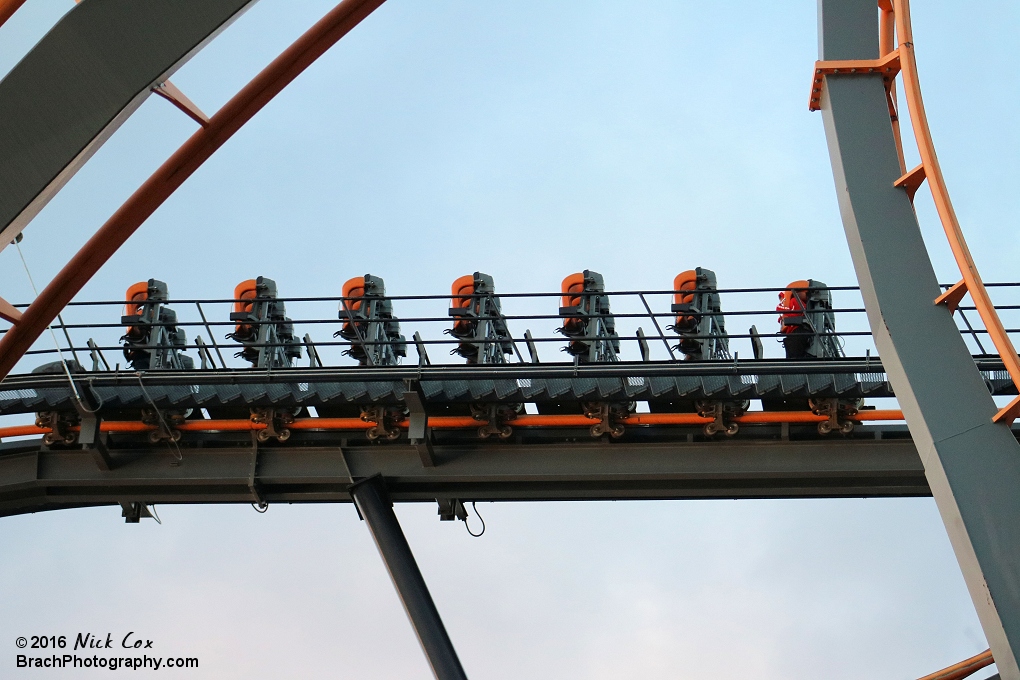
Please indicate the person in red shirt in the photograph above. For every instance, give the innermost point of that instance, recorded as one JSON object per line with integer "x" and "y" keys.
{"x": 797, "y": 335}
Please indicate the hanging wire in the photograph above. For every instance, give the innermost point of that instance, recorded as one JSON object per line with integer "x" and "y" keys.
{"x": 176, "y": 448}
{"x": 261, "y": 508}
{"x": 152, "y": 511}
{"x": 466, "y": 526}
{"x": 49, "y": 327}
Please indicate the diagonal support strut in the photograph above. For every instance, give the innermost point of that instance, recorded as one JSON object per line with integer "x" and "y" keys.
{"x": 373, "y": 504}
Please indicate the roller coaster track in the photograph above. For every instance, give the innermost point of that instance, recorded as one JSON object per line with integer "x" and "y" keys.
{"x": 960, "y": 447}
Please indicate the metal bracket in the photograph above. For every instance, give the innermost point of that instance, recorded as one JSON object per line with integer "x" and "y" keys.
{"x": 888, "y": 66}
{"x": 451, "y": 509}
{"x": 253, "y": 484}
{"x": 94, "y": 441}
{"x": 952, "y": 297}
{"x": 169, "y": 92}
{"x": 418, "y": 431}
{"x": 912, "y": 180}
{"x": 133, "y": 512}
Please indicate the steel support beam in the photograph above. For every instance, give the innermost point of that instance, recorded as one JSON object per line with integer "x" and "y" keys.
{"x": 972, "y": 465}
{"x": 376, "y": 509}
{"x": 34, "y": 478}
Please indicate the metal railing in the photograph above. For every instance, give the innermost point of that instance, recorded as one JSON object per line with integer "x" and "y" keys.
{"x": 93, "y": 329}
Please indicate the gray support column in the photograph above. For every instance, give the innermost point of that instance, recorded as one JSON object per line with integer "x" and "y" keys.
{"x": 377, "y": 511}
{"x": 972, "y": 465}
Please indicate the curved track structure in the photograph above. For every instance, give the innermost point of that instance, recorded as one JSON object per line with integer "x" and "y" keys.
{"x": 98, "y": 63}
{"x": 172, "y": 174}
{"x": 959, "y": 448}
{"x": 8, "y": 8}
{"x": 972, "y": 463}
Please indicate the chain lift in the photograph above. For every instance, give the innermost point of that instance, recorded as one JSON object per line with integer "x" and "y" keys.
{"x": 480, "y": 324}
{"x": 262, "y": 325}
{"x": 588, "y": 323}
{"x": 699, "y": 322}
{"x": 369, "y": 323}
{"x": 153, "y": 341}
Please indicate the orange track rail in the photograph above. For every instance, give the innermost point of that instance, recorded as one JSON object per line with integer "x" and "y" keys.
{"x": 463, "y": 422}
{"x": 8, "y": 8}
{"x": 896, "y": 45}
{"x": 964, "y": 668}
{"x": 933, "y": 173}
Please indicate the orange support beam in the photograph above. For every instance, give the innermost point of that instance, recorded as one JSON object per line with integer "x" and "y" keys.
{"x": 964, "y": 668}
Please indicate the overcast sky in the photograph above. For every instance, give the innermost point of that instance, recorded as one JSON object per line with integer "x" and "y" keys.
{"x": 527, "y": 140}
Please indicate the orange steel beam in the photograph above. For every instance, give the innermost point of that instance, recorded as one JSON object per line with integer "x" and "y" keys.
{"x": 461, "y": 422}
{"x": 886, "y": 45}
{"x": 888, "y": 66}
{"x": 964, "y": 668}
{"x": 895, "y": 26}
{"x": 9, "y": 312}
{"x": 181, "y": 165}
{"x": 936, "y": 182}
{"x": 8, "y": 8}
{"x": 172, "y": 94}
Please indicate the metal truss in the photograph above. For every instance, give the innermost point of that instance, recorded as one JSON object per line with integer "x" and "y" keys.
{"x": 970, "y": 456}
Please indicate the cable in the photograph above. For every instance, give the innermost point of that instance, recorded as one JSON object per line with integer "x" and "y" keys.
{"x": 152, "y": 511}
{"x": 49, "y": 327}
{"x": 479, "y": 517}
{"x": 166, "y": 426}
{"x": 261, "y": 508}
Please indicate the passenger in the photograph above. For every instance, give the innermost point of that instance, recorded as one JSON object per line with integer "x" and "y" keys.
{"x": 797, "y": 335}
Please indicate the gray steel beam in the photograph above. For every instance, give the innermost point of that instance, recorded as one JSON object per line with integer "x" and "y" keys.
{"x": 972, "y": 465}
{"x": 33, "y": 478}
{"x": 87, "y": 75}
{"x": 376, "y": 509}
